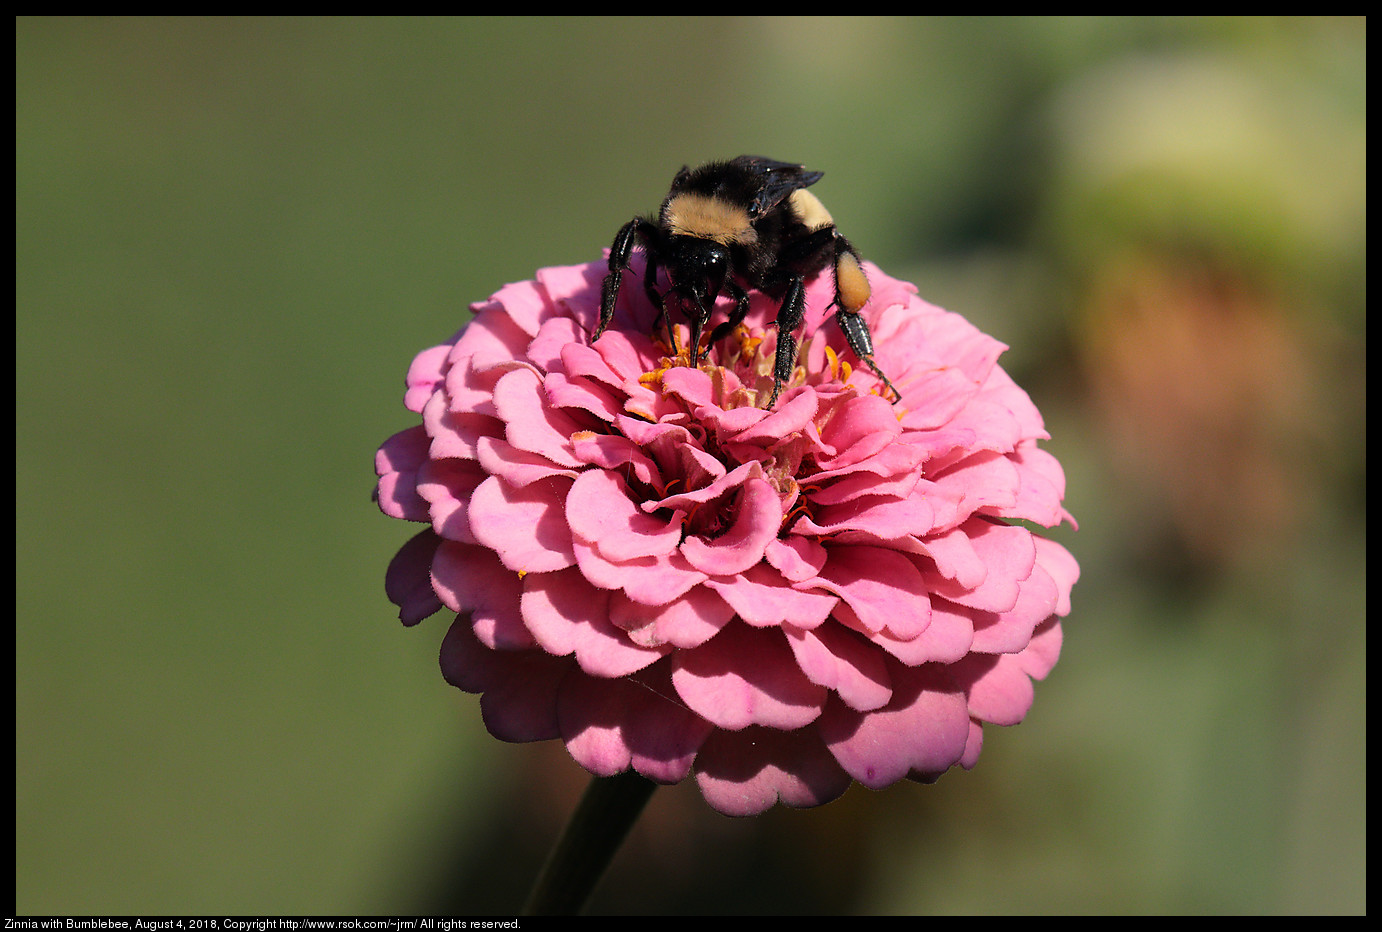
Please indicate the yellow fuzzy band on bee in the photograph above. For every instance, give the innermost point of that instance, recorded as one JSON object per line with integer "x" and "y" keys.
{"x": 708, "y": 218}
{"x": 810, "y": 211}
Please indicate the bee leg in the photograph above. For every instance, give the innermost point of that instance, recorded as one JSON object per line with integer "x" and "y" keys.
{"x": 741, "y": 310}
{"x": 851, "y": 294}
{"x": 789, "y": 318}
{"x": 857, "y": 335}
{"x": 655, "y": 299}
{"x": 635, "y": 229}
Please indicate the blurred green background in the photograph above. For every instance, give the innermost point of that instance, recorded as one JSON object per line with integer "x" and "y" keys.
{"x": 234, "y": 234}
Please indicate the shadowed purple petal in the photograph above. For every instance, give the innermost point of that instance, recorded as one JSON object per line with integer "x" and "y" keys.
{"x": 408, "y": 582}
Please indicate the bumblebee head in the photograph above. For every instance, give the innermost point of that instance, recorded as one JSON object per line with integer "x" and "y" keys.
{"x": 697, "y": 268}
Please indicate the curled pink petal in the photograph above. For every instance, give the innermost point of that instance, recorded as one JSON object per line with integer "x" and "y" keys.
{"x": 649, "y": 580}
{"x": 447, "y": 486}
{"x": 883, "y": 588}
{"x": 844, "y": 663}
{"x": 764, "y": 598}
{"x": 600, "y": 512}
{"x": 612, "y": 725}
{"x": 757, "y": 518}
{"x": 530, "y": 422}
{"x": 686, "y": 621}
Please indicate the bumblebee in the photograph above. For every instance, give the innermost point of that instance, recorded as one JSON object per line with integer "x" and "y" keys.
{"x": 748, "y": 223}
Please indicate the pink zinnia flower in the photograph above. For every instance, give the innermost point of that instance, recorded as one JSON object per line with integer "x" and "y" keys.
{"x": 651, "y": 567}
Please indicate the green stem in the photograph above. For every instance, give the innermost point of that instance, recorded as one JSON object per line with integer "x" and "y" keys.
{"x": 599, "y": 825}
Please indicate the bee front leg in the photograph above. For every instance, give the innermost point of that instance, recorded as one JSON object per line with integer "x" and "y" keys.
{"x": 789, "y": 318}
{"x": 636, "y": 229}
{"x": 741, "y": 310}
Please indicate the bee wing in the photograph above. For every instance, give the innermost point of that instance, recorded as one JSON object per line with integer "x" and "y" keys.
{"x": 776, "y": 180}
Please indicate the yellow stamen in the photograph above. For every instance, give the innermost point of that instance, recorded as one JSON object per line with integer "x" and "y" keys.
{"x": 834, "y": 363}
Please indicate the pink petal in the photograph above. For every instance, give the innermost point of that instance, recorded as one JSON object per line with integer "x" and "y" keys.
{"x": 924, "y": 728}
{"x": 946, "y": 639}
{"x": 788, "y": 418}
{"x": 955, "y": 557}
{"x": 553, "y": 336}
{"x": 723, "y": 482}
{"x": 796, "y": 558}
{"x": 744, "y": 773}
{"x": 844, "y": 663}
{"x": 530, "y": 422}
{"x": 892, "y": 471}
{"x": 526, "y": 527}
{"x": 520, "y": 687}
{"x": 574, "y": 289}
{"x": 586, "y": 394}
{"x": 1009, "y": 632}
{"x": 746, "y": 676}
{"x": 1063, "y": 569}
{"x": 567, "y": 615}
{"x": 984, "y": 481}
{"x": 884, "y": 518}
{"x": 472, "y": 580}
{"x": 1041, "y": 486}
{"x": 600, "y": 513}
{"x": 691, "y": 385}
{"x": 687, "y": 621}
{"x": 761, "y": 597}
{"x": 1041, "y": 654}
{"x": 396, "y": 464}
{"x": 650, "y": 580}
{"x": 865, "y": 425}
{"x": 492, "y": 337}
{"x": 1000, "y": 691}
{"x": 614, "y": 452}
{"x": 457, "y": 434}
{"x": 583, "y": 363}
{"x": 426, "y": 372}
{"x": 1008, "y": 555}
{"x": 755, "y": 526}
{"x": 628, "y": 354}
{"x": 610, "y": 725}
{"x": 883, "y": 587}
{"x": 516, "y": 467}
{"x": 448, "y": 486}
{"x": 524, "y": 303}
